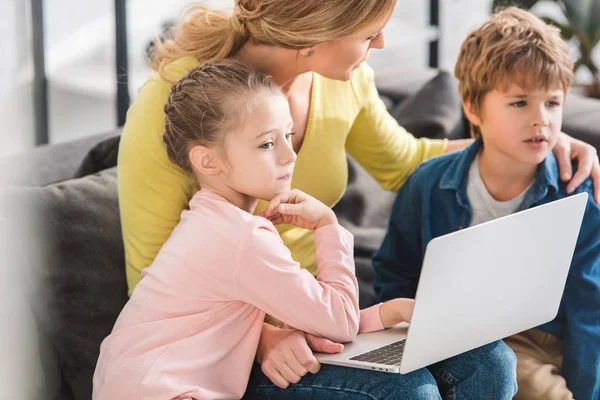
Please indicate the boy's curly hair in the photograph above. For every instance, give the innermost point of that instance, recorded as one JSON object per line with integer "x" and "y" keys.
{"x": 512, "y": 47}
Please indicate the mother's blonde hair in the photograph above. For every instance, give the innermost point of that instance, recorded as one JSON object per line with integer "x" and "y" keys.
{"x": 212, "y": 35}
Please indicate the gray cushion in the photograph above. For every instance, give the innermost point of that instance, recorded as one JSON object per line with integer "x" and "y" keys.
{"x": 69, "y": 235}
{"x": 399, "y": 83}
{"x": 581, "y": 119}
{"x": 47, "y": 164}
{"x": 434, "y": 111}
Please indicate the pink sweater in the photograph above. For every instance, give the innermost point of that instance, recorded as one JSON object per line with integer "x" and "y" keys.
{"x": 192, "y": 325}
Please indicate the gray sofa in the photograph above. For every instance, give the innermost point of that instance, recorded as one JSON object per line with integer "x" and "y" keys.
{"x": 63, "y": 275}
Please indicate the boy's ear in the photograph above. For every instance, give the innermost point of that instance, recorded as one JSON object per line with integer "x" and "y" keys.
{"x": 204, "y": 160}
{"x": 470, "y": 113}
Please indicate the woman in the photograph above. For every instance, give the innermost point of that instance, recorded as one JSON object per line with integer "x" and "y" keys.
{"x": 315, "y": 51}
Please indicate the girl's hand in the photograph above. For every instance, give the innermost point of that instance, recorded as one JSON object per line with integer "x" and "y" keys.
{"x": 394, "y": 311}
{"x": 297, "y": 208}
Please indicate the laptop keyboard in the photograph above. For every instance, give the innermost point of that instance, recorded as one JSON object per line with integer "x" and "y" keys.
{"x": 390, "y": 354}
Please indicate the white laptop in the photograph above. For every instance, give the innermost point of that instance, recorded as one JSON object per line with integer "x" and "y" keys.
{"x": 478, "y": 285}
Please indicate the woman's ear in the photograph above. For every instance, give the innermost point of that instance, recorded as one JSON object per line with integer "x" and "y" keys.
{"x": 471, "y": 114}
{"x": 204, "y": 160}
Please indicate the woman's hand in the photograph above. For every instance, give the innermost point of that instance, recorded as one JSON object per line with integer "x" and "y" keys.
{"x": 567, "y": 149}
{"x": 286, "y": 355}
{"x": 297, "y": 208}
{"x": 394, "y": 311}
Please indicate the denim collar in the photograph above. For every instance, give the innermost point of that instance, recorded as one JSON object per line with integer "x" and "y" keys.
{"x": 456, "y": 176}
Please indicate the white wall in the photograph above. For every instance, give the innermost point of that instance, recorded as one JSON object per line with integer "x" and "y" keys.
{"x": 79, "y": 40}
{"x": 80, "y": 57}
{"x": 457, "y": 19}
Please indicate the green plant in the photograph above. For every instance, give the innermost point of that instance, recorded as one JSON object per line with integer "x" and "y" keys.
{"x": 582, "y": 24}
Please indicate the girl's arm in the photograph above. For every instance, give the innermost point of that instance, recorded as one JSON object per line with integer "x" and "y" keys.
{"x": 268, "y": 277}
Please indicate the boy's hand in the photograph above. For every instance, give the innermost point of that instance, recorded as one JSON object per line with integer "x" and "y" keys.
{"x": 297, "y": 208}
{"x": 394, "y": 311}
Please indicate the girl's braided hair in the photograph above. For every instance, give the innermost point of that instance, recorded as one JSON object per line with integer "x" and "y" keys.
{"x": 209, "y": 101}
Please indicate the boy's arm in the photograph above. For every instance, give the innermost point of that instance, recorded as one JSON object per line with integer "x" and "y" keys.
{"x": 581, "y": 363}
{"x": 398, "y": 261}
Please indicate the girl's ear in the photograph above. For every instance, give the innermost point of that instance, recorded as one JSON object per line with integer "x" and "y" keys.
{"x": 470, "y": 113}
{"x": 204, "y": 160}
{"x": 308, "y": 51}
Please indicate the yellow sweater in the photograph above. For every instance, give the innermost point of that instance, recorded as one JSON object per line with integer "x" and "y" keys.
{"x": 343, "y": 117}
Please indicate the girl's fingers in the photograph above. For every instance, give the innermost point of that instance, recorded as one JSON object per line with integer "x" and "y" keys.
{"x": 271, "y": 208}
{"x": 277, "y": 220}
{"x": 285, "y": 197}
{"x": 290, "y": 209}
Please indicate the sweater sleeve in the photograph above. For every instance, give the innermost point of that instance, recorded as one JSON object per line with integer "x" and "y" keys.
{"x": 386, "y": 150}
{"x": 267, "y": 277}
{"x": 152, "y": 191}
{"x": 370, "y": 319}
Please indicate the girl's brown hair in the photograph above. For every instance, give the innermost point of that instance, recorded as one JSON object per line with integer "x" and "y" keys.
{"x": 212, "y": 35}
{"x": 208, "y": 102}
{"x": 513, "y": 46}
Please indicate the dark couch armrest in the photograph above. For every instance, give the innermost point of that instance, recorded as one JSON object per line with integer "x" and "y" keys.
{"x": 48, "y": 164}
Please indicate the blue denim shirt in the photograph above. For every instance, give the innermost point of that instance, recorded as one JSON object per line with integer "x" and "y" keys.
{"x": 433, "y": 202}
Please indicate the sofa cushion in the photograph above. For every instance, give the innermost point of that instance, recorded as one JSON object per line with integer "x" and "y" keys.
{"x": 399, "y": 83}
{"x": 76, "y": 282}
{"x": 47, "y": 164}
{"x": 102, "y": 156}
{"x": 434, "y": 111}
{"x": 581, "y": 119}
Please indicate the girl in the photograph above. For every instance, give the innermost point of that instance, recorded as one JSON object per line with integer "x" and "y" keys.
{"x": 192, "y": 325}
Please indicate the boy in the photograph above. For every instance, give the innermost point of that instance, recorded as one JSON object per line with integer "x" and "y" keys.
{"x": 514, "y": 72}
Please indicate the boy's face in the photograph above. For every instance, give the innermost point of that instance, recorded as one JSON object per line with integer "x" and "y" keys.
{"x": 521, "y": 124}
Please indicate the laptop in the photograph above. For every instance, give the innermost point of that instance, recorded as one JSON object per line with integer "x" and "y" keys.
{"x": 478, "y": 285}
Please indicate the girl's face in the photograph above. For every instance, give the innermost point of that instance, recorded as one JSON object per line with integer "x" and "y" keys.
{"x": 338, "y": 59}
{"x": 259, "y": 158}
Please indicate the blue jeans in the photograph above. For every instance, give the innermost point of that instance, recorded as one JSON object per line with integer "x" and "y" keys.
{"x": 488, "y": 372}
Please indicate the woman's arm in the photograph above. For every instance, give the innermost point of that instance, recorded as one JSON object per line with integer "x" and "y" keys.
{"x": 458, "y": 144}
{"x": 389, "y": 153}
{"x": 568, "y": 149}
{"x": 379, "y": 144}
